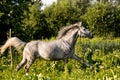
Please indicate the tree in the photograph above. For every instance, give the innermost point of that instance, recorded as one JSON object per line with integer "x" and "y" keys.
{"x": 61, "y": 14}
{"x": 101, "y": 19}
{"x": 12, "y": 15}
{"x": 31, "y": 22}
{"x": 20, "y": 16}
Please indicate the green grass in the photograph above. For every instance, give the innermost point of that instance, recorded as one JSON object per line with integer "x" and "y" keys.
{"x": 103, "y": 55}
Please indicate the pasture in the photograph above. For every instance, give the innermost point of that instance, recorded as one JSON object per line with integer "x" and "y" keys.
{"x": 102, "y": 54}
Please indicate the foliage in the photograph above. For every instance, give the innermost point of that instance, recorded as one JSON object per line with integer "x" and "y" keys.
{"x": 31, "y": 23}
{"x": 12, "y": 15}
{"x": 103, "y": 19}
{"x": 28, "y": 21}
{"x": 117, "y": 19}
{"x": 61, "y": 14}
{"x": 103, "y": 55}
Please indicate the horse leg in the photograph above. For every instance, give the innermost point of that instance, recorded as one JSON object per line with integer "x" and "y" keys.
{"x": 29, "y": 63}
{"x": 21, "y": 64}
{"x": 66, "y": 60}
{"x": 23, "y": 61}
{"x": 81, "y": 60}
{"x": 65, "y": 66}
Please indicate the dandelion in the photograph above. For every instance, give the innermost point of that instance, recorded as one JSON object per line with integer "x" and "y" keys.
{"x": 26, "y": 74}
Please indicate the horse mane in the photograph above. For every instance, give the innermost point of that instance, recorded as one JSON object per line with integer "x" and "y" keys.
{"x": 65, "y": 29}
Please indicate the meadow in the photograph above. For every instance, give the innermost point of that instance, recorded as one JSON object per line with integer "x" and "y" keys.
{"x": 103, "y": 54}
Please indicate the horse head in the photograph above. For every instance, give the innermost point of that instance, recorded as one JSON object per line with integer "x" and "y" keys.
{"x": 83, "y": 32}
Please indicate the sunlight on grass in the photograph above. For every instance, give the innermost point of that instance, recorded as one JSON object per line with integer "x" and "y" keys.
{"x": 102, "y": 54}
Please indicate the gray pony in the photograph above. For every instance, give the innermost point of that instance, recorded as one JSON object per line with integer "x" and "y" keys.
{"x": 62, "y": 48}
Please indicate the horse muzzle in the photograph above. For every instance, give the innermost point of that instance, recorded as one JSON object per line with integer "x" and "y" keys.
{"x": 90, "y": 35}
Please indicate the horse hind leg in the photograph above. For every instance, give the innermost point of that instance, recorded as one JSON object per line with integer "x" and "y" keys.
{"x": 29, "y": 63}
{"x": 20, "y": 64}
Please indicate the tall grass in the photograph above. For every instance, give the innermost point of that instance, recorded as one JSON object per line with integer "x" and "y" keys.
{"x": 103, "y": 55}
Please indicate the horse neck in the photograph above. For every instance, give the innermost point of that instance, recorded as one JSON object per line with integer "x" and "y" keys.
{"x": 71, "y": 38}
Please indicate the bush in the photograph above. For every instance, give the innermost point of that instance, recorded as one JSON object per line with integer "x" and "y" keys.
{"x": 61, "y": 14}
{"x": 102, "y": 19}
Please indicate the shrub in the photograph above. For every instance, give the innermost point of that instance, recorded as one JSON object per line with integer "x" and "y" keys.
{"x": 103, "y": 19}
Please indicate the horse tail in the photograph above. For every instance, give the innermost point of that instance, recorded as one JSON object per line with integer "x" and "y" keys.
{"x": 13, "y": 41}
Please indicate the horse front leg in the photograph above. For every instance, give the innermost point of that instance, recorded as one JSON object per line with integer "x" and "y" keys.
{"x": 81, "y": 60}
{"x": 66, "y": 66}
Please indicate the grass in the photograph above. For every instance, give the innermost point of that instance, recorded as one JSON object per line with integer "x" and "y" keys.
{"x": 103, "y": 55}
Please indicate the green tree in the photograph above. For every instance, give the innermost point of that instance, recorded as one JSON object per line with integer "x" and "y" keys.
{"x": 21, "y": 16}
{"x": 31, "y": 22}
{"x": 60, "y": 14}
{"x": 101, "y": 19}
{"x": 12, "y": 15}
{"x": 117, "y": 20}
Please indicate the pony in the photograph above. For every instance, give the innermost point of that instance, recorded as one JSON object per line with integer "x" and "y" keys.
{"x": 62, "y": 48}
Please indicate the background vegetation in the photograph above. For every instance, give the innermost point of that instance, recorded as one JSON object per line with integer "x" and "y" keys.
{"x": 28, "y": 22}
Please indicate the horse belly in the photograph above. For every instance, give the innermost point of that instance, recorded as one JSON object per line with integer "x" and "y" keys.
{"x": 44, "y": 55}
{"x": 51, "y": 54}
{"x": 51, "y": 51}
